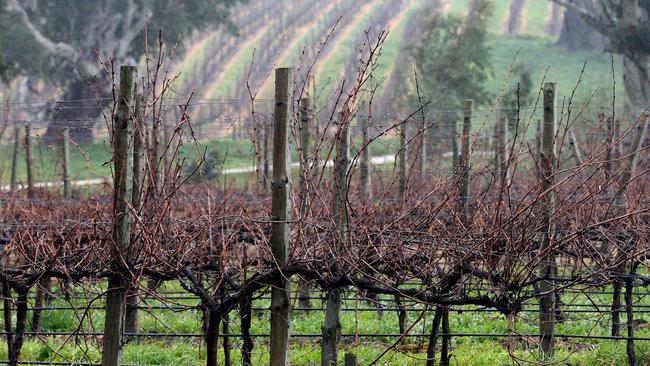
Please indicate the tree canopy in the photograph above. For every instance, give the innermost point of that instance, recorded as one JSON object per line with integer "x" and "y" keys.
{"x": 452, "y": 56}
{"x": 66, "y": 32}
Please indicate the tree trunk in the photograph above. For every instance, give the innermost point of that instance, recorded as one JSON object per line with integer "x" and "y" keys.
{"x": 21, "y": 319}
{"x": 576, "y": 35}
{"x": 212, "y": 338}
{"x": 433, "y": 337}
{"x": 77, "y": 110}
{"x": 245, "y": 314}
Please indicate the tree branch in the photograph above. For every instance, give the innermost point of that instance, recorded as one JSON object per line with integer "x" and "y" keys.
{"x": 599, "y": 24}
{"x": 60, "y": 49}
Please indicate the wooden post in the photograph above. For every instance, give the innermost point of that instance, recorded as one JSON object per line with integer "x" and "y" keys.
{"x": 29, "y": 161}
{"x": 350, "y": 360}
{"x": 575, "y": 148}
{"x": 280, "y": 214}
{"x": 464, "y": 161}
{"x": 455, "y": 151}
{"x": 122, "y": 196}
{"x": 14, "y": 159}
{"x": 304, "y": 293}
{"x": 265, "y": 152}
{"x": 423, "y": 148}
{"x": 402, "y": 161}
{"x": 67, "y": 192}
{"x": 131, "y": 322}
{"x": 547, "y": 267}
{"x": 629, "y": 165}
{"x": 332, "y": 324}
{"x": 364, "y": 162}
{"x": 501, "y": 148}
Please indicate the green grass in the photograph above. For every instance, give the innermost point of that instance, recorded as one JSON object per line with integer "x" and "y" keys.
{"x": 305, "y": 351}
{"x": 538, "y": 53}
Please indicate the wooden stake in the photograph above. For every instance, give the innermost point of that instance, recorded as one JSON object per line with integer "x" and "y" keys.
{"x": 547, "y": 267}
{"x": 14, "y": 159}
{"x": 280, "y": 214}
{"x": 304, "y": 293}
{"x": 402, "y": 163}
{"x": 29, "y": 161}
{"x": 122, "y": 197}
{"x": 364, "y": 162}
{"x": 131, "y": 322}
{"x": 332, "y": 324}
{"x": 464, "y": 161}
{"x": 67, "y": 191}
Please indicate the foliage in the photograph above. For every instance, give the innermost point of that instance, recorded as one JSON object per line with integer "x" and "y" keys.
{"x": 452, "y": 56}
{"x": 67, "y": 32}
{"x": 24, "y": 57}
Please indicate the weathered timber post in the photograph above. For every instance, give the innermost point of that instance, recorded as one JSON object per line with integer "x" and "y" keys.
{"x": 629, "y": 166}
{"x": 364, "y": 161}
{"x": 29, "y": 161}
{"x": 402, "y": 162}
{"x": 122, "y": 196}
{"x": 501, "y": 148}
{"x": 280, "y": 214}
{"x": 67, "y": 192}
{"x": 403, "y": 179}
{"x": 575, "y": 148}
{"x": 423, "y": 147}
{"x": 547, "y": 266}
{"x": 265, "y": 151}
{"x": 350, "y": 360}
{"x": 14, "y": 159}
{"x": 463, "y": 169}
{"x": 332, "y": 324}
{"x": 44, "y": 283}
{"x": 304, "y": 293}
{"x": 131, "y": 322}
{"x": 464, "y": 161}
{"x": 455, "y": 151}
{"x": 538, "y": 147}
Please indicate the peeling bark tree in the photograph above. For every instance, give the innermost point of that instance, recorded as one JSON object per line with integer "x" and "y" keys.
{"x": 576, "y": 34}
{"x": 76, "y": 37}
{"x": 624, "y": 24}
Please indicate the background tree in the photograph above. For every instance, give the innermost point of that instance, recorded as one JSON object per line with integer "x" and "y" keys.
{"x": 453, "y": 60}
{"x": 70, "y": 36}
{"x": 576, "y": 34}
{"x": 452, "y": 56}
{"x": 625, "y": 26}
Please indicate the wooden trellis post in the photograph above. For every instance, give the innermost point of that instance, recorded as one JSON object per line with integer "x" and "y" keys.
{"x": 402, "y": 162}
{"x": 280, "y": 214}
{"x": 131, "y": 323}
{"x": 122, "y": 201}
{"x": 29, "y": 161}
{"x": 364, "y": 161}
{"x": 464, "y": 161}
{"x": 547, "y": 266}
{"x": 332, "y": 324}
{"x": 14, "y": 159}
{"x": 304, "y": 293}
{"x": 67, "y": 192}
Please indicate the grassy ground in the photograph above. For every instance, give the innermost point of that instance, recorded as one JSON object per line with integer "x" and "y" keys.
{"x": 305, "y": 351}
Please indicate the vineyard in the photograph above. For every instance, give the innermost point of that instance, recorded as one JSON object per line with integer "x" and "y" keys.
{"x": 235, "y": 211}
